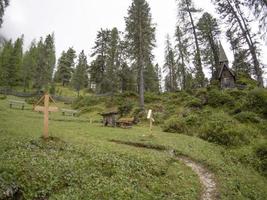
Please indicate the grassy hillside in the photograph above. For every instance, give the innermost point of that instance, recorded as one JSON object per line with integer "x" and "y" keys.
{"x": 225, "y": 131}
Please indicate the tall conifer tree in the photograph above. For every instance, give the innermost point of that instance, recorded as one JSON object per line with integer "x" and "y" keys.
{"x": 140, "y": 35}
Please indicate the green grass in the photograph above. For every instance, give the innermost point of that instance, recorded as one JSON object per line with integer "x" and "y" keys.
{"x": 88, "y": 166}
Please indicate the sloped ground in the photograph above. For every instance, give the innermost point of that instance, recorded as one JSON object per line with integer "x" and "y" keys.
{"x": 84, "y": 163}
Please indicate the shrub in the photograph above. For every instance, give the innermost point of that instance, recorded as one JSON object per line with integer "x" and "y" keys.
{"x": 221, "y": 129}
{"x": 194, "y": 103}
{"x": 257, "y": 101}
{"x": 202, "y": 94}
{"x": 192, "y": 120}
{"x": 175, "y": 125}
{"x": 218, "y": 98}
{"x": 261, "y": 153}
{"x": 3, "y": 97}
{"x": 151, "y": 97}
{"x": 85, "y": 101}
{"x": 246, "y": 117}
{"x": 126, "y": 108}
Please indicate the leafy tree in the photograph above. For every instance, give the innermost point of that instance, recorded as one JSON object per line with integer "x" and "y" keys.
{"x": 186, "y": 11}
{"x": 3, "y": 5}
{"x": 140, "y": 35}
{"x": 65, "y": 66}
{"x": 80, "y": 75}
{"x": 233, "y": 12}
{"x": 209, "y": 33}
{"x": 170, "y": 66}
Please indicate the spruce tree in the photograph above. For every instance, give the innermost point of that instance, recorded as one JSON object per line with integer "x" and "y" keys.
{"x": 170, "y": 67}
{"x": 80, "y": 75}
{"x": 98, "y": 67}
{"x": 140, "y": 36}
{"x": 65, "y": 67}
{"x": 29, "y": 66}
{"x": 183, "y": 56}
{"x": 10, "y": 64}
{"x": 209, "y": 32}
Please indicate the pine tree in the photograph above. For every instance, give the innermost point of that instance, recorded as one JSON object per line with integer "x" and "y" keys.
{"x": 183, "y": 55}
{"x": 50, "y": 55}
{"x": 3, "y": 5}
{"x": 80, "y": 75}
{"x": 259, "y": 8}
{"x": 65, "y": 66}
{"x": 232, "y": 12}
{"x": 241, "y": 63}
{"x": 151, "y": 81}
{"x": 5, "y": 64}
{"x": 209, "y": 33}
{"x": 186, "y": 11}
{"x": 45, "y": 62}
{"x": 140, "y": 35}
{"x": 98, "y": 67}
{"x": 113, "y": 61}
{"x": 170, "y": 67}
{"x": 11, "y": 61}
{"x": 29, "y": 66}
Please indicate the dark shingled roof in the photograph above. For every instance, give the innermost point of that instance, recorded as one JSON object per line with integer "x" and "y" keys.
{"x": 222, "y": 54}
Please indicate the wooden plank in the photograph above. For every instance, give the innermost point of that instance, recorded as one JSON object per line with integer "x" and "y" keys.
{"x": 39, "y": 108}
{"x": 53, "y": 109}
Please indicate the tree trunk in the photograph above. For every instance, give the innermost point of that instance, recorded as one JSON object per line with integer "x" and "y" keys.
{"x": 199, "y": 63}
{"x": 248, "y": 38}
{"x": 141, "y": 67}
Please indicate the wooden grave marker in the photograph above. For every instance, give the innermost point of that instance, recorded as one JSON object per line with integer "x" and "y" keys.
{"x": 45, "y": 109}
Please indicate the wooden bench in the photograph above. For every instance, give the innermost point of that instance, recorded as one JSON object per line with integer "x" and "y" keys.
{"x": 20, "y": 104}
{"x": 69, "y": 112}
{"x": 125, "y": 122}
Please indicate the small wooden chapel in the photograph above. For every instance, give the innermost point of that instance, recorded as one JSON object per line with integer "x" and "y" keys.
{"x": 226, "y": 76}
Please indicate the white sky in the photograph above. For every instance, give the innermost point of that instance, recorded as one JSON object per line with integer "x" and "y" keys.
{"x": 75, "y": 23}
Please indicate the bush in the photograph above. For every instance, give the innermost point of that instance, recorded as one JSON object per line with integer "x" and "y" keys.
{"x": 202, "y": 94}
{"x": 175, "y": 125}
{"x": 218, "y": 98}
{"x": 194, "y": 103}
{"x": 257, "y": 101}
{"x": 3, "y": 97}
{"x": 85, "y": 101}
{"x": 247, "y": 117}
{"x": 126, "y": 108}
{"x": 223, "y": 130}
{"x": 192, "y": 120}
{"x": 261, "y": 153}
{"x": 151, "y": 97}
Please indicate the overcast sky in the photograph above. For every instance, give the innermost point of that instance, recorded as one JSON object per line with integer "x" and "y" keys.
{"x": 75, "y": 23}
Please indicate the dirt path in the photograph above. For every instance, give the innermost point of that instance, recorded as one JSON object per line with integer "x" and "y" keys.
{"x": 207, "y": 179}
{"x": 209, "y": 189}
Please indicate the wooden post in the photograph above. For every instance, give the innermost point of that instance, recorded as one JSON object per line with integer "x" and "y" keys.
{"x": 151, "y": 124}
{"x": 46, "y": 115}
{"x": 45, "y": 109}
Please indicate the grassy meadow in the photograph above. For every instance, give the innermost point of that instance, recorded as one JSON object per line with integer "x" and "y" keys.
{"x": 81, "y": 162}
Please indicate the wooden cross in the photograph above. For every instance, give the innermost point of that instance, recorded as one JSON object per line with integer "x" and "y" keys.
{"x": 45, "y": 109}
{"x": 151, "y": 120}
